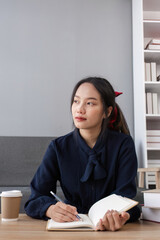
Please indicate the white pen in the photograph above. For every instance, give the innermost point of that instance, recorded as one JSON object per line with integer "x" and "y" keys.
{"x": 60, "y": 200}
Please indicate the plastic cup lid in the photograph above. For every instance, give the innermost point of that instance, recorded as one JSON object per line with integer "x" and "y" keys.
{"x": 13, "y": 193}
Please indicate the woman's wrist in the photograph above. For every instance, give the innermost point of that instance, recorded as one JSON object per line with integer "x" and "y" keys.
{"x": 49, "y": 211}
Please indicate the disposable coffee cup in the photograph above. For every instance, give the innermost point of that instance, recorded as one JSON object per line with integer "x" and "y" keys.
{"x": 10, "y": 205}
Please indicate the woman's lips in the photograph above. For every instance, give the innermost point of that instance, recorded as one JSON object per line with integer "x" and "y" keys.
{"x": 80, "y": 119}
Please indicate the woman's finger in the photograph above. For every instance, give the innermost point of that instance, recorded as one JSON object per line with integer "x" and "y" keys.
{"x": 100, "y": 226}
{"x": 62, "y": 212}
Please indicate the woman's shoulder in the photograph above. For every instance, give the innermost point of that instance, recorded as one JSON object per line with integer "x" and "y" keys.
{"x": 120, "y": 141}
{"x": 118, "y": 136}
{"x": 63, "y": 140}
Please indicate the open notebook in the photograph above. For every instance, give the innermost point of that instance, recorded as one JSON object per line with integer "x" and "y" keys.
{"x": 96, "y": 212}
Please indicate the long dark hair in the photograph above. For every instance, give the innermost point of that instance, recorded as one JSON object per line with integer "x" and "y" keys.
{"x": 107, "y": 94}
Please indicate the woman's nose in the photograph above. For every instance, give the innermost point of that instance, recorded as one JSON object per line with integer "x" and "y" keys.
{"x": 81, "y": 109}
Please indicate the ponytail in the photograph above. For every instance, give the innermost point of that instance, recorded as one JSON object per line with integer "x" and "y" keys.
{"x": 117, "y": 121}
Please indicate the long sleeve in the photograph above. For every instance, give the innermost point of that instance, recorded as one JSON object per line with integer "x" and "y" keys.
{"x": 43, "y": 182}
{"x": 126, "y": 173}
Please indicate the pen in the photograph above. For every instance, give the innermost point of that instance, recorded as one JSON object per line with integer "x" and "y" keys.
{"x": 60, "y": 200}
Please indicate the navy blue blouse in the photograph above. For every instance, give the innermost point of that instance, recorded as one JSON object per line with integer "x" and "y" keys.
{"x": 86, "y": 175}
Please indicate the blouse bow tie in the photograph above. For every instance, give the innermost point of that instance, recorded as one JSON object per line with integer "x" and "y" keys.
{"x": 94, "y": 168}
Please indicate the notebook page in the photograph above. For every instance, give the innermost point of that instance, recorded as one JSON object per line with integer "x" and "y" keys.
{"x": 51, "y": 225}
{"x": 113, "y": 201}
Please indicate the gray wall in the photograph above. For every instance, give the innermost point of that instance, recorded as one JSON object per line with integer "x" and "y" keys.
{"x": 46, "y": 46}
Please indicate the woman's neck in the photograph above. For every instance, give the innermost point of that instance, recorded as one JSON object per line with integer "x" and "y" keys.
{"x": 89, "y": 136}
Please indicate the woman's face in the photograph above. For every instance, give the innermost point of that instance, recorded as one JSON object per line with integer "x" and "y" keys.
{"x": 87, "y": 108}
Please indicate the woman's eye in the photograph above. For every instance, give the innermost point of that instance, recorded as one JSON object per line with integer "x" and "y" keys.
{"x": 75, "y": 101}
{"x": 90, "y": 103}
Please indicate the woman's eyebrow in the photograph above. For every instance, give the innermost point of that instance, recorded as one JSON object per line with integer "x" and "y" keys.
{"x": 92, "y": 98}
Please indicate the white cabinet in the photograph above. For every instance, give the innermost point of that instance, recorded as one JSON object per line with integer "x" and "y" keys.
{"x": 146, "y": 26}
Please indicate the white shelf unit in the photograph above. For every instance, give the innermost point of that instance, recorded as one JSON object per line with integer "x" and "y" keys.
{"x": 146, "y": 26}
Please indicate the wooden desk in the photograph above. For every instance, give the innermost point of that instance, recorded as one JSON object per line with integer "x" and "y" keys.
{"x": 28, "y": 228}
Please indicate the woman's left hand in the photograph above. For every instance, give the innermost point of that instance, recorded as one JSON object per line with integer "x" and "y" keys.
{"x": 112, "y": 221}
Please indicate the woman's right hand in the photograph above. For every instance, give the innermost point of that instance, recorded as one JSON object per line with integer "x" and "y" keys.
{"x": 61, "y": 212}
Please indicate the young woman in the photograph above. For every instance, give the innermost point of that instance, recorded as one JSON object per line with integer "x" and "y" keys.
{"x": 95, "y": 160}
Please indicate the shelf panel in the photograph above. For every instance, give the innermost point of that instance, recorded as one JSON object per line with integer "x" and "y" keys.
{"x": 153, "y": 149}
{"x": 152, "y": 86}
{"x": 153, "y": 117}
{"x": 152, "y": 56}
{"x": 151, "y": 21}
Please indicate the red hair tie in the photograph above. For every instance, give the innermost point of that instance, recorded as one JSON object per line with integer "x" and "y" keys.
{"x": 115, "y": 113}
{"x": 118, "y": 93}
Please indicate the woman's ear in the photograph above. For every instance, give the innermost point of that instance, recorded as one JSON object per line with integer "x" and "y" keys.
{"x": 110, "y": 108}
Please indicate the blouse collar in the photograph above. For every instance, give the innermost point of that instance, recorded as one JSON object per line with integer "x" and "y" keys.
{"x": 94, "y": 167}
{"x": 101, "y": 141}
